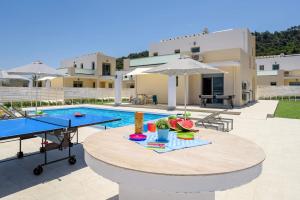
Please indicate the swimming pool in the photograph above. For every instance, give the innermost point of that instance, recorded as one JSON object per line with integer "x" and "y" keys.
{"x": 127, "y": 117}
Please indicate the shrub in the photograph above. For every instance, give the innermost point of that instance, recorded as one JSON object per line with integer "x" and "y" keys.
{"x": 172, "y": 117}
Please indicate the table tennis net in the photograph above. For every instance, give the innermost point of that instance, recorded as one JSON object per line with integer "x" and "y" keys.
{"x": 53, "y": 120}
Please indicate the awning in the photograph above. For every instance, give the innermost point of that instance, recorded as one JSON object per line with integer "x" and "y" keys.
{"x": 138, "y": 71}
{"x": 46, "y": 78}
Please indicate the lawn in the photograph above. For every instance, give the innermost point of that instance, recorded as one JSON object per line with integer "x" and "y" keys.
{"x": 288, "y": 109}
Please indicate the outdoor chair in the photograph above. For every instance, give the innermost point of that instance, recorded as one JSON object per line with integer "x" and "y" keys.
{"x": 204, "y": 99}
{"x": 215, "y": 121}
{"x": 154, "y": 99}
{"x": 149, "y": 99}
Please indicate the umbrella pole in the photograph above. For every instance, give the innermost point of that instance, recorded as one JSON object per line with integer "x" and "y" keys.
{"x": 185, "y": 95}
{"x": 36, "y": 94}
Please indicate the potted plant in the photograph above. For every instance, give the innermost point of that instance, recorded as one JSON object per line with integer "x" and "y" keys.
{"x": 162, "y": 130}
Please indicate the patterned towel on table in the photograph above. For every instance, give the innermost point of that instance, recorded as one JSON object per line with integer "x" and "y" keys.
{"x": 173, "y": 144}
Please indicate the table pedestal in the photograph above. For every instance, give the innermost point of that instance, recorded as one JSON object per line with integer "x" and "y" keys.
{"x": 126, "y": 192}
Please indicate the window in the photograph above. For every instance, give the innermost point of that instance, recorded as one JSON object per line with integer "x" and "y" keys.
{"x": 94, "y": 85}
{"x": 195, "y": 57}
{"x": 40, "y": 84}
{"x": 286, "y": 73}
{"x": 77, "y": 84}
{"x": 275, "y": 66}
{"x": 102, "y": 84}
{"x": 81, "y": 65}
{"x": 177, "y": 51}
{"x": 131, "y": 86}
{"x": 294, "y": 83}
{"x": 110, "y": 85}
{"x": 93, "y": 65}
{"x": 75, "y": 66}
{"x": 195, "y": 49}
{"x": 106, "y": 69}
{"x": 273, "y": 83}
{"x": 261, "y": 67}
{"x": 176, "y": 81}
{"x": 155, "y": 54}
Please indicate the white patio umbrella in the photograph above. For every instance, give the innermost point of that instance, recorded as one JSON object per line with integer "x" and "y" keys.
{"x": 36, "y": 70}
{"x": 184, "y": 66}
{"x": 5, "y": 75}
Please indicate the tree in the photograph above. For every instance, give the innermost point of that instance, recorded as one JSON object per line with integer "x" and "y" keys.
{"x": 287, "y": 42}
{"x": 119, "y": 61}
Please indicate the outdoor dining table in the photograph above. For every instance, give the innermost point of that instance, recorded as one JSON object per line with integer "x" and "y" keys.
{"x": 190, "y": 173}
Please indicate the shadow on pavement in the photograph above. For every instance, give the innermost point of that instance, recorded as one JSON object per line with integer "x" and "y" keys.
{"x": 17, "y": 175}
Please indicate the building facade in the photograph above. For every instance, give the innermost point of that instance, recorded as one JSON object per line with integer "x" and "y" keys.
{"x": 233, "y": 51}
{"x": 95, "y": 70}
{"x": 278, "y": 70}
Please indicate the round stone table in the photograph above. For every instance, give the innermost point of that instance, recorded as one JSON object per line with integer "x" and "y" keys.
{"x": 190, "y": 174}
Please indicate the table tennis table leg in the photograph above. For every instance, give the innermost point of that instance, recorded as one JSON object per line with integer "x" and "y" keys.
{"x": 45, "y": 152}
{"x": 71, "y": 158}
{"x": 20, "y": 154}
{"x": 42, "y": 148}
{"x": 77, "y": 137}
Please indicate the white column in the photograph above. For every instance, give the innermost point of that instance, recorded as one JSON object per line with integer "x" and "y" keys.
{"x": 171, "y": 92}
{"x": 47, "y": 83}
{"x": 30, "y": 84}
{"x": 118, "y": 88}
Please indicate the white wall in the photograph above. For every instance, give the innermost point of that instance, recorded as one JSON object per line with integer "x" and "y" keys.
{"x": 85, "y": 59}
{"x": 236, "y": 38}
{"x": 288, "y": 62}
{"x": 8, "y": 94}
{"x": 271, "y": 91}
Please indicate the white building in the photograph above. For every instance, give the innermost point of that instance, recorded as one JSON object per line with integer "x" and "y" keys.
{"x": 205, "y": 42}
{"x": 278, "y": 70}
{"x": 95, "y": 70}
{"x": 233, "y": 51}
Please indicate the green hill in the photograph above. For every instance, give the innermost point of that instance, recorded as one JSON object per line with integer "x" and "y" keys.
{"x": 287, "y": 42}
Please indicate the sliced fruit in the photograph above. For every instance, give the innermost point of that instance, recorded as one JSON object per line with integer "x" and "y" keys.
{"x": 173, "y": 123}
{"x": 185, "y": 125}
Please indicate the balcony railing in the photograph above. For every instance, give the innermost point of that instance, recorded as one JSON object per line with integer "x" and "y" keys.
{"x": 85, "y": 71}
{"x": 288, "y": 75}
{"x": 267, "y": 73}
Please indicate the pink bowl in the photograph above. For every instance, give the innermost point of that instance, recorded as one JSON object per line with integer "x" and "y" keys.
{"x": 137, "y": 137}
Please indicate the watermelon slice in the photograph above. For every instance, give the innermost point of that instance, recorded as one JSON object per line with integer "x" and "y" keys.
{"x": 173, "y": 123}
{"x": 185, "y": 125}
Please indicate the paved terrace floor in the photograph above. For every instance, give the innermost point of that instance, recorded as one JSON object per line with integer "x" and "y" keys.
{"x": 279, "y": 138}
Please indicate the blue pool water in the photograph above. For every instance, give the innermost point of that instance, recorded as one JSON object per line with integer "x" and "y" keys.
{"x": 127, "y": 118}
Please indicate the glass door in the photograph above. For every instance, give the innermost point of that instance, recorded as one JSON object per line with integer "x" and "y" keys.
{"x": 207, "y": 87}
{"x": 213, "y": 84}
{"x": 218, "y": 88}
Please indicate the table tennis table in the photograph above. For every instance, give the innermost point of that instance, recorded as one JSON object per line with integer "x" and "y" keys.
{"x": 60, "y": 127}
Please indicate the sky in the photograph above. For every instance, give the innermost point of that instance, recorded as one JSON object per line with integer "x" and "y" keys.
{"x": 53, "y": 30}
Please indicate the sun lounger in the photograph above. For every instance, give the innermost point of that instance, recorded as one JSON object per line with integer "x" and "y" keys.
{"x": 215, "y": 121}
{"x": 8, "y": 112}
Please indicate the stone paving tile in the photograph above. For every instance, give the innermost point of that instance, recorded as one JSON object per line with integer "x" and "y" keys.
{"x": 279, "y": 180}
